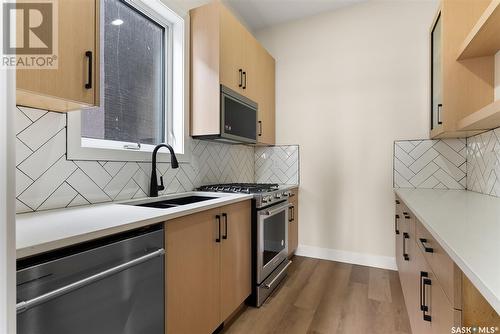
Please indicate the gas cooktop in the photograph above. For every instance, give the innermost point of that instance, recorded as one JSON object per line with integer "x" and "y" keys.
{"x": 247, "y": 188}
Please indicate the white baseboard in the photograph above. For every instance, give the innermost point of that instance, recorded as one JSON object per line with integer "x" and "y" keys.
{"x": 377, "y": 261}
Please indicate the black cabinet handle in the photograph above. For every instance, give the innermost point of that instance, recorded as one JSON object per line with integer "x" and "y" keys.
{"x": 427, "y": 317}
{"x": 224, "y": 215}
{"x": 217, "y": 218}
{"x": 88, "y": 85}
{"x": 244, "y": 80}
{"x": 260, "y": 128}
{"x": 440, "y": 107}
{"x": 406, "y": 257}
{"x": 291, "y": 213}
{"x": 427, "y": 249}
{"x": 396, "y": 225}
{"x": 397, "y": 201}
{"x": 241, "y": 78}
{"x": 423, "y": 274}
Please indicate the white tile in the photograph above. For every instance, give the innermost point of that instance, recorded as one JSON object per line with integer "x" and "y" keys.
{"x": 430, "y": 183}
{"x": 128, "y": 191}
{"x": 113, "y": 167}
{"x": 447, "y": 180}
{"x": 43, "y": 129}
{"x": 400, "y": 181}
{"x": 22, "y": 151}
{"x": 449, "y": 153}
{"x": 87, "y": 188}
{"x": 402, "y": 156}
{"x": 95, "y": 171}
{"x": 45, "y": 156}
{"x": 33, "y": 114}
{"x": 423, "y": 174}
{"x": 456, "y": 144}
{"x": 21, "y": 207}
{"x": 59, "y": 198}
{"x": 21, "y": 121}
{"x": 78, "y": 201}
{"x": 22, "y": 182}
{"x": 47, "y": 183}
{"x": 449, "y": 168}
{"x": 421, "y": 148}
{"x": 142, "y": 180}
{"x": 119, "y": 181}
{"x": 423, "y": 160}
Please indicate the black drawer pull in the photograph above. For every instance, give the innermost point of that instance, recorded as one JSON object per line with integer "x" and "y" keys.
{"x": 396, "y": 224}
{"x": 422, "y": 275}
{"x": 406, "y": 257}
{"x": 397, "y": 201}
{"x": 427, "y": 249}
{"x": 217, "y": 218}
{"x": 224, "y": 215}
{"x": 88, "y": 85}
{"x": 426, "y": 317}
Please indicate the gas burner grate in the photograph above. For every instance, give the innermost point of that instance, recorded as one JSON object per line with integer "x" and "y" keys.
{"x": 248, "y": 188}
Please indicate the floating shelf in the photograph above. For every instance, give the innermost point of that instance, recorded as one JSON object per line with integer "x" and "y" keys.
{"x": 484, "y": 119}
{"x": 484, "y": 38}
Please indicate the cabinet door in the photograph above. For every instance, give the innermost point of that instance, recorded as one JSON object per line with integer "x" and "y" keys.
{"x": 293, "y": 226}
{"x": 266, "y": 98}
{"x": 251, "y": 79}
{"x": 77, "y": 35}
{"x": 232, "y": 39}
{"x": 236, "y": 257}
{"x": 437, "y": 75}
{"x": 413, "y": 297}
{"x": 193, "y": 274}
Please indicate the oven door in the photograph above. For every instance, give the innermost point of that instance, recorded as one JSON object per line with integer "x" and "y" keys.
{"x": 272, "y": 239}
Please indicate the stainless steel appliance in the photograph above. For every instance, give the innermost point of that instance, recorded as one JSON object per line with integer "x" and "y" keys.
{"x": 238, "y": 118}
{"x": 110, "y": 286}
{"x": 270, "y": 210}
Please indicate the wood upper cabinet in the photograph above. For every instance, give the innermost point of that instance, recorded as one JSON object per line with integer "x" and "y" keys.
{"x": 208, "y": 267}
{"x": 459, "y": 87}
{"x": 293, "y": 222}
{"x": 223, "y": 52}
{"x": 69, "y": 87}
{"x": 266, "y": 71}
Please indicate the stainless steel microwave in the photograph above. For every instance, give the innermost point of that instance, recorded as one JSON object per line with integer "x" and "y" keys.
{"x": 238, "y": 118}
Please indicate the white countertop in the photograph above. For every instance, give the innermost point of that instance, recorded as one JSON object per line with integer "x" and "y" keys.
{"x": 48, "y": 230}
{"x": 467, "y": 225}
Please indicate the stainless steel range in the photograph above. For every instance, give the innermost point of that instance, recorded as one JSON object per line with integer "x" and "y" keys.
{"x": 270, "y": 212}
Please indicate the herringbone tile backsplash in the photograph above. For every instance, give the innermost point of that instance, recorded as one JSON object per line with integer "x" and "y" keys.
{"x": 483, "y": 163}
{"x": 277, "y": 164}
{"x": 439, "y": 164}
{"x": 46, "y": 180}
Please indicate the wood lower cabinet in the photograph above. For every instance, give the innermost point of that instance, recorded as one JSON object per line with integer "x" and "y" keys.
{"x": 293, "y": 222}
{"x": 236, "y": 257}
{"x": 429, "y": 308}
{"x": 70, "y": 86}
{"x": 208, "y": 267}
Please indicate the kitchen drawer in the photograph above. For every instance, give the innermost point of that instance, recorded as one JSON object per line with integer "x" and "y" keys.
{"x": 447, "y": 272}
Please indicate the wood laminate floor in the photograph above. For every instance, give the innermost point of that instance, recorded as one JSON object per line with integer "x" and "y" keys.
{"x": 323, "y": 297}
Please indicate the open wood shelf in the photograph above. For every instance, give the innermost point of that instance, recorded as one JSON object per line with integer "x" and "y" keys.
{"x": 484, "y": 38}
{"x": 484, "y": 119}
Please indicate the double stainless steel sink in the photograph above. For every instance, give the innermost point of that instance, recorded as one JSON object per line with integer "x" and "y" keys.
{"x": 173, "y": 202}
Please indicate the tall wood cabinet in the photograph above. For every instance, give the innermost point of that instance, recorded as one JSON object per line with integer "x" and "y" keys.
{"x": 208, "y": 267}
{"x": 75, "y": 83}
{"x": 223, "y": 52}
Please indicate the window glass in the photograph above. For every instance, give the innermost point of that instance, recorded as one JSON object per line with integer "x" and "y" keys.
{"x": 133, "y": 75}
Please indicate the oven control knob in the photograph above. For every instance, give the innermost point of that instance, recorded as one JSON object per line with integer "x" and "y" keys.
{"x": 278, "y": 195}
{"x": 286, "y": 194}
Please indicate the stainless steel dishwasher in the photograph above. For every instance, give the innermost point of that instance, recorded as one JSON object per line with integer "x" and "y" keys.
{"x": 109, "y": 286}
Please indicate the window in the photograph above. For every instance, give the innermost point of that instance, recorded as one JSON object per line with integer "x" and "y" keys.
{"x": 141, "y": 86}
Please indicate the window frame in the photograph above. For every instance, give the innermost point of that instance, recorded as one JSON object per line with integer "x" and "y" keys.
{"x": 176, "y": 111}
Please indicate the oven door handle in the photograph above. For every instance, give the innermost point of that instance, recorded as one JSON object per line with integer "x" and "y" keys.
{"x": 270, "y": 284}
{"x": 278, "y": 209}
{"x": 25, "y": 305}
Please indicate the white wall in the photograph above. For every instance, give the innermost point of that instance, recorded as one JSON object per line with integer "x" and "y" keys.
{"x": 349, "y": 83}
{"x": 7, "y": 204}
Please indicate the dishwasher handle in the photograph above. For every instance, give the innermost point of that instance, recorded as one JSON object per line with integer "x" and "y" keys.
{"x": 26, "y": 305}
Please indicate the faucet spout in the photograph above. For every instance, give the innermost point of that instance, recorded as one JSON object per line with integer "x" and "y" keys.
{"x": 154, "y": 187}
